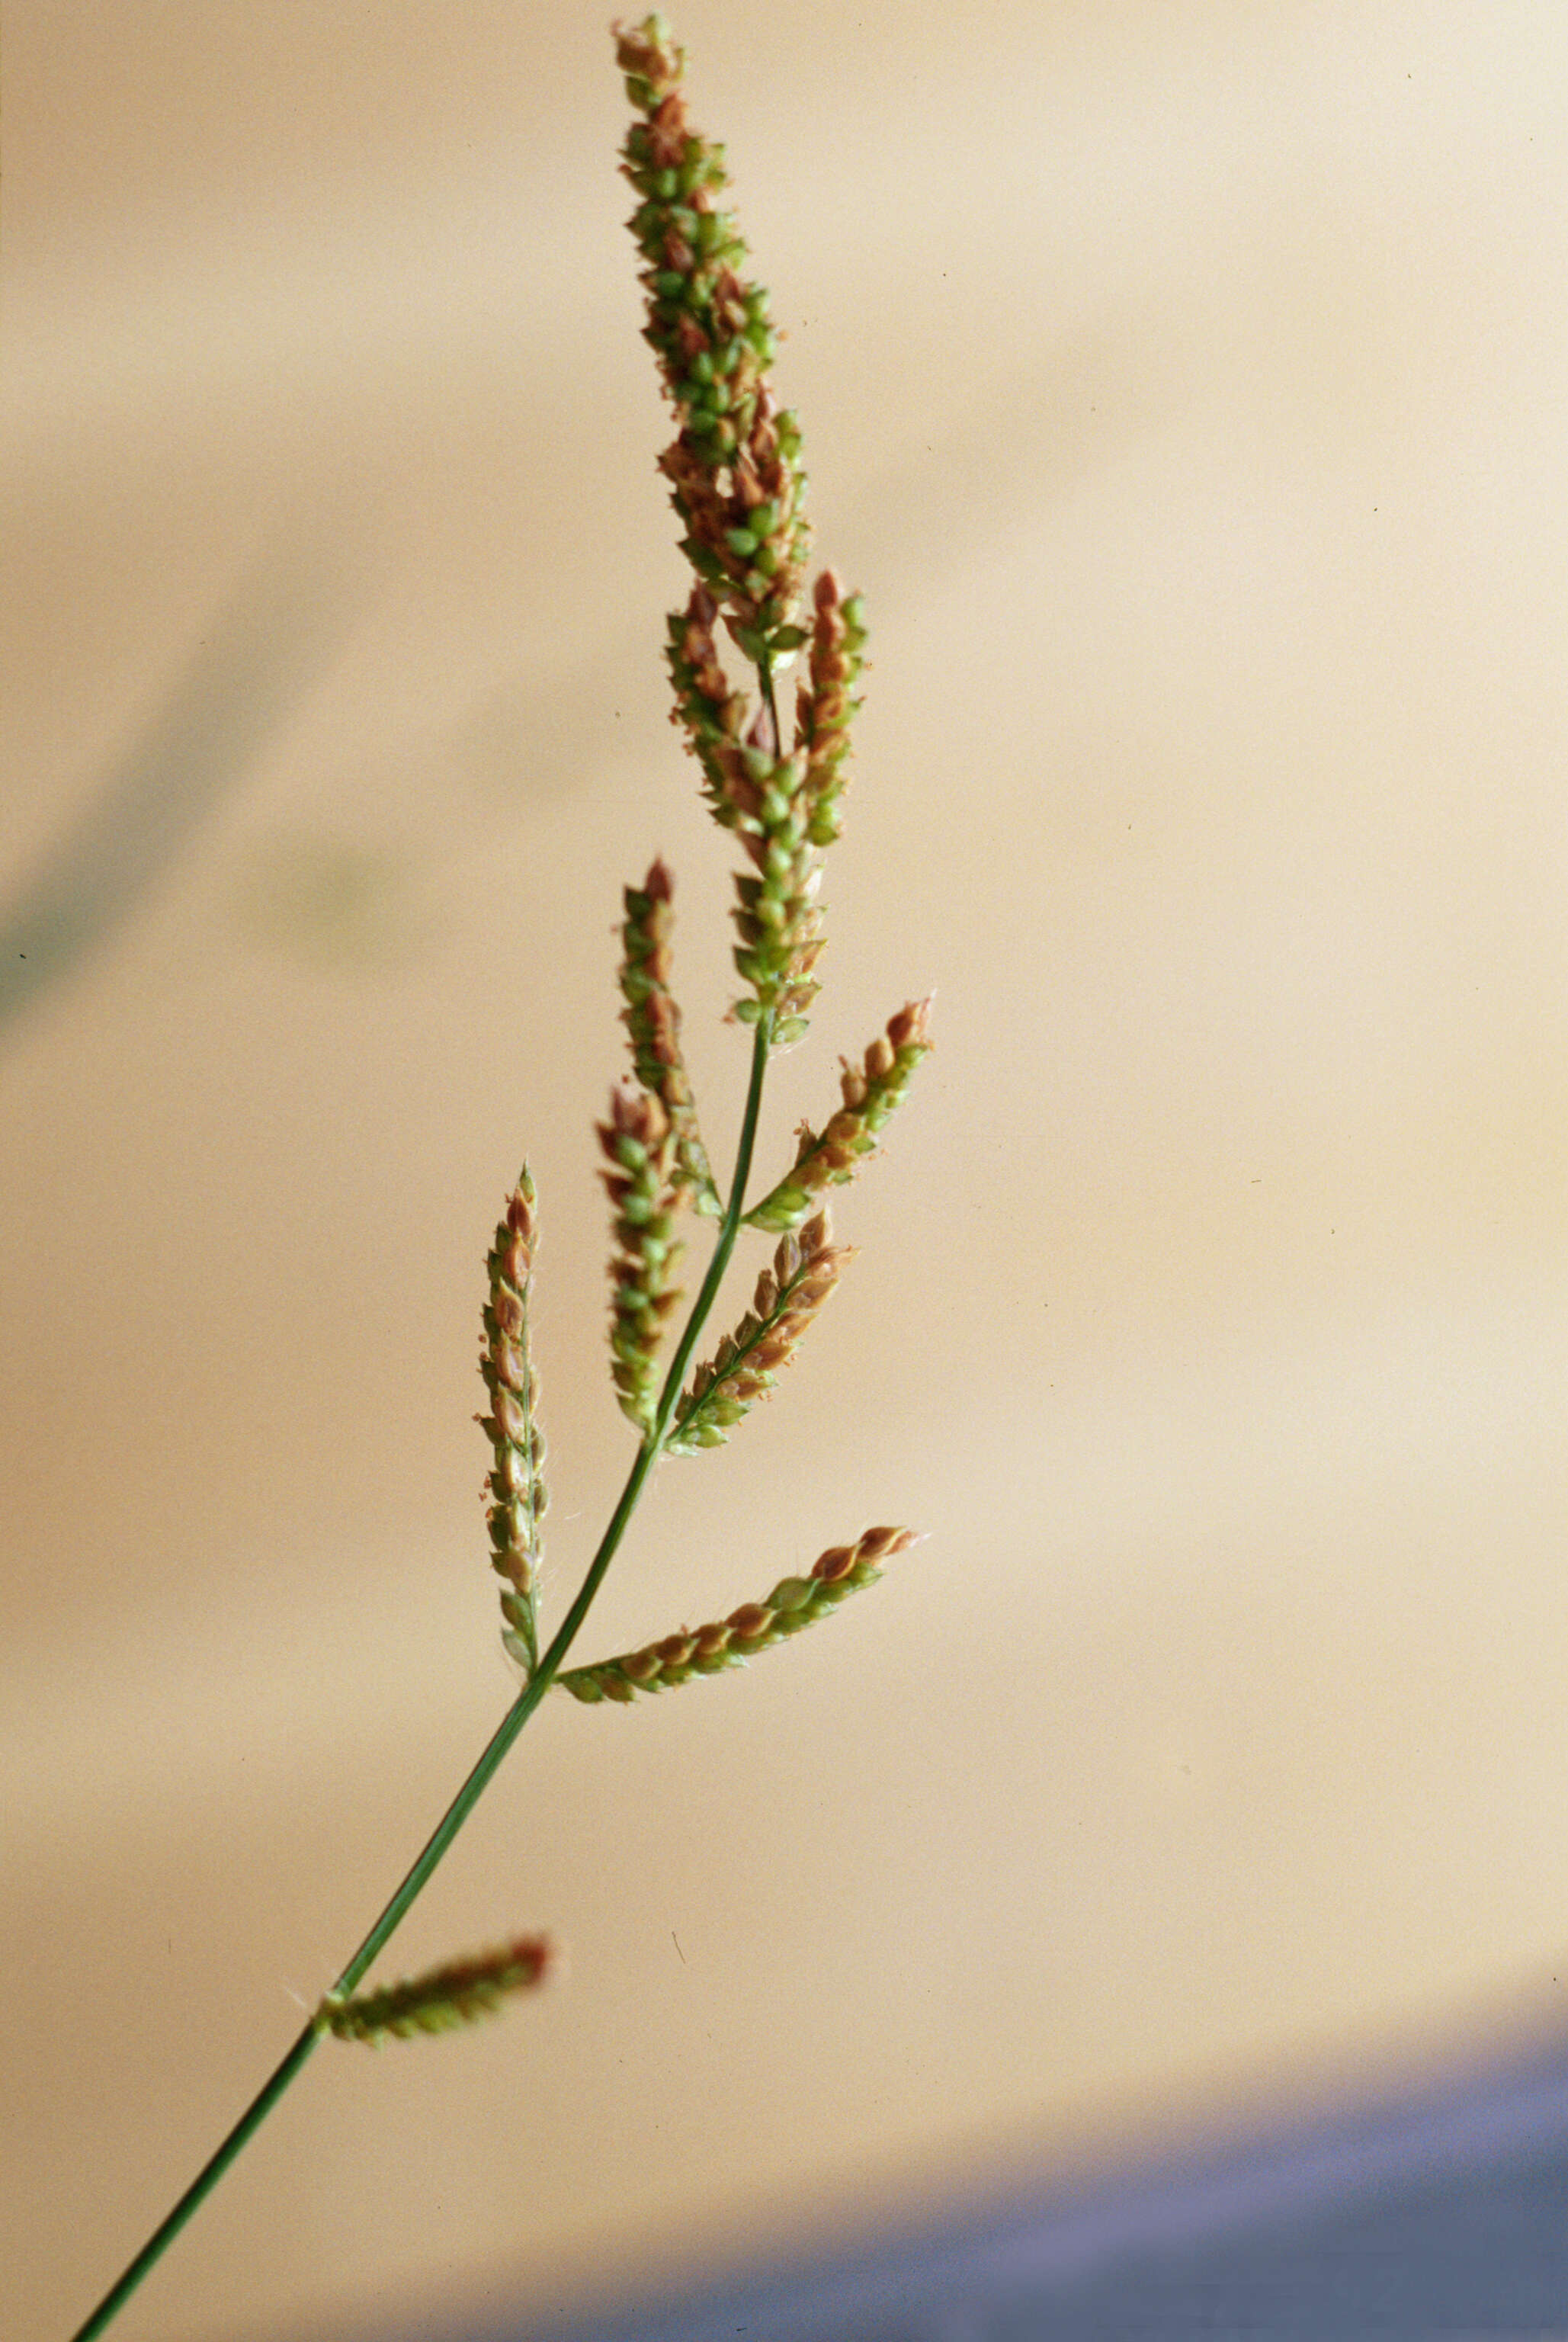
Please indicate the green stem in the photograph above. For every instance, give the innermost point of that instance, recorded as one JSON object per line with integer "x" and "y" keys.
{"x": 729, "y": 1228}
{"x": 500, "y": 1741}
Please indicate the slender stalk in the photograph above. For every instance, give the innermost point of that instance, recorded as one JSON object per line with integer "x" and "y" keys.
{"x": 201, "y": 2188}
{"x": 500, "y": 1741}
{"x": 729, "y": 1228}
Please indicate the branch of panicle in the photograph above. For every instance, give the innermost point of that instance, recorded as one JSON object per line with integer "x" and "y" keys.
{"x": 517, "y": 1483}
{"x": 641, "y": 1182}
{"x": 653, "y": 1023}
{"x": 738, "y": 486}
{"x": 826, "y": 706}
{"x": 872, "y": 1092}
{"x": 460, "y": 1992}
{"x": 734, "y": 467}
{"x": 794, "y": 1603}
{"x": 746, "y": 1365}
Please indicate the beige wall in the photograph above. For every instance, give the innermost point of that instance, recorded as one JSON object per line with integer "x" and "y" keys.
{"x": 1185, "y": 385}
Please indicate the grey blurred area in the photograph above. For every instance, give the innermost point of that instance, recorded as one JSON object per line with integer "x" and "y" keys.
{"x": 1442, "y": 2216}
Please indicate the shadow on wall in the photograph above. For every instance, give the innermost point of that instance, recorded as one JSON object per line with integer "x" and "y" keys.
{"x": 193, "y": 750}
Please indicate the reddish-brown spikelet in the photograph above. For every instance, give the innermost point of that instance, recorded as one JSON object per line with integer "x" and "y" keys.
{"x": 842, "y": 1563}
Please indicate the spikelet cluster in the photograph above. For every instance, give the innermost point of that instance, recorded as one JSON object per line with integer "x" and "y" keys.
{"x": 707, "y": 708}
{"x": 783, "y": 809}
{"x": 871, "y": 1093}
{"x": 738, "y": 485}
{"x": 826, "y": 706}
{"x": 794, "y": 1603}
{"x": 777, "y": 915}
{"x": 746, "y": 1363}
{"x": 516, "y": 1485}
{"x": 771, "y": 800}
{"x": 442, "y": 2000}
{"x": 641, "y": 1181}
{"x": 734, "y": 467}
{"x": 652, "y": 1021}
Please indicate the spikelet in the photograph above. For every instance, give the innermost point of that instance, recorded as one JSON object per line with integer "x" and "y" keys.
{"x": 652, "y": 1021}
{"x": 442, "y": 2000}
{"x": 871, "y": 1092}
{"x": 641, "y": 1178}
{"x": 745, "y": 1367}
{"x": 517, "y": 1483}
{"x": 794, "y": 1603}
{"x": 733, "y": 467}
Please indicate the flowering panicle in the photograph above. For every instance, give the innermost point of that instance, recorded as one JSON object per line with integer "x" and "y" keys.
{"x": 871, "y": 1092}
{"x": 517, "y": 1483}
{"x": 641, "y": 1181}
{"x": 794, "y": 1604}
{"x": 736, "y": 481}
{"x": 442, "y": 1999}
{"x": 745, "y": 1367}
{"x": 733, "y": 469}
{"x": 653, "y": 1023}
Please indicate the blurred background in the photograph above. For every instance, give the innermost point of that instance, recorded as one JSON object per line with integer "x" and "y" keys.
{"x": 1184, "y": 387}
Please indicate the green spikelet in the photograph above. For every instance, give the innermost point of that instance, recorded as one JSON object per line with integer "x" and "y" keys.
{"x": 442, "y": 2000}
{"x": 794, "y": 1603}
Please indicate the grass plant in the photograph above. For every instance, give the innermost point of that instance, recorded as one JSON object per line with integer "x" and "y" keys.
{"x": 735, "y": 480}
